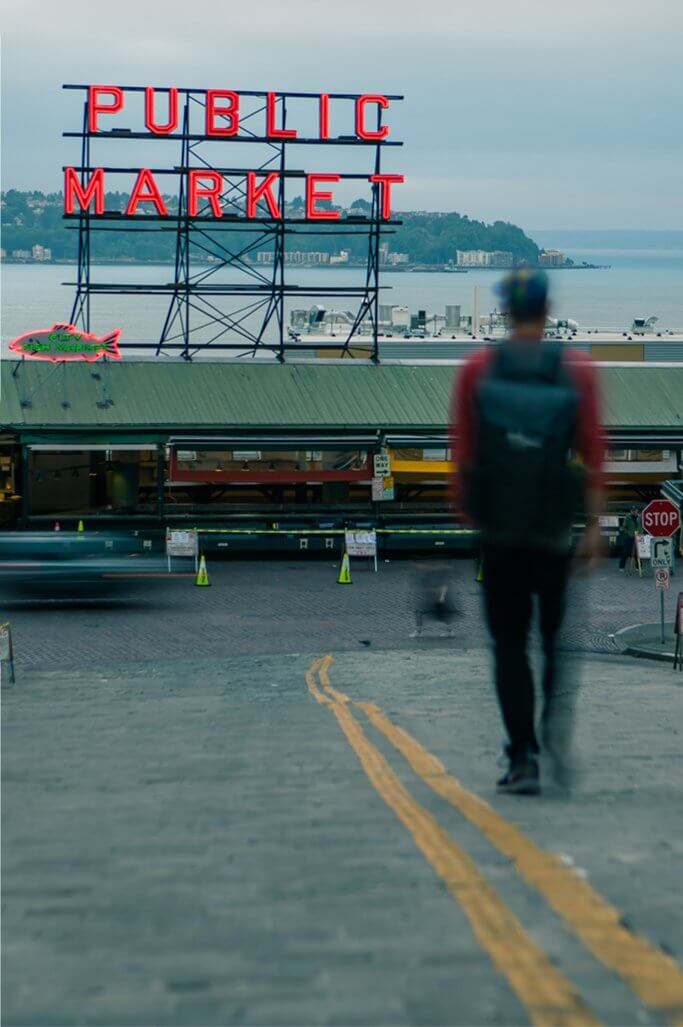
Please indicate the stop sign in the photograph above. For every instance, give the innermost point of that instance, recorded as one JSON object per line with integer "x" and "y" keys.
{"x": 661, "y": 517}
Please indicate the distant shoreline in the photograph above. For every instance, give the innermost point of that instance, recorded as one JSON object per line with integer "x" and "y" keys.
{"x": 410, "y": 268}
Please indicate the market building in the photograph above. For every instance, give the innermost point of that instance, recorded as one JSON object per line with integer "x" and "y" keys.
{"x": 150, "y": 444}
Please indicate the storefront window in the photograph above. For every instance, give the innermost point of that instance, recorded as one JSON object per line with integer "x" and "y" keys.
{"x": 91, "y": 482}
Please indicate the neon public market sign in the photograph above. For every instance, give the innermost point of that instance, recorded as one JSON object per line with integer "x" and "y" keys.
{"x": 221, "y": 119}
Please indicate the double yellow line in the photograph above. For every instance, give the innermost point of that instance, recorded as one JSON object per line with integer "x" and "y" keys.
{"x": 548, "y": 996}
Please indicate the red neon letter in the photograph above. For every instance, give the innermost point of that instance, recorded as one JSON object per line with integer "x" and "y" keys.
{"x": 231, "y": 111}
{"x": 95, "y": 108}
{"x": 172, "y": 123}
{"x": 84, "y": 194}
{"x": 211, "y": 192}
{"x": 361, "y": 131}
{"x": 145, "y": 190}
{"x": 324, "y": 116}
{"x": 271, "y": 131}
{"x": 385, "y": 182}
{"x": 262, "y": 192}
{"x": 313, "y": 196}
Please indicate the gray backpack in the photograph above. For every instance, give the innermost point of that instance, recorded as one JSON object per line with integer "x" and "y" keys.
{"x": 522, "y": 488}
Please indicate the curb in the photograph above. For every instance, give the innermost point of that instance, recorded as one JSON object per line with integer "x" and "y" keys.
{"x": 644, "y": 652}
{"x": 648, "y": 654}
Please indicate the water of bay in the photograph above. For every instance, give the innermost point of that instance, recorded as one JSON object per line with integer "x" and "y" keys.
{"x": 635, "y": 283}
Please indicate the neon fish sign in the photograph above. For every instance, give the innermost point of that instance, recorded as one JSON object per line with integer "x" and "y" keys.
{"x": 66, "y": 342}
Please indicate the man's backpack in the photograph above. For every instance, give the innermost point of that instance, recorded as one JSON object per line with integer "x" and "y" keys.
{"x": 523, "y": 491}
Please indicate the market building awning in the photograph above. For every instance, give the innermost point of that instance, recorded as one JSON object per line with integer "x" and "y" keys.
{"x": 151, "y": 402}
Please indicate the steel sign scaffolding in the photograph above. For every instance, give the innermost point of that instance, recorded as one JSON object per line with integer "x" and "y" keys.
{"x": 233, "y": 303}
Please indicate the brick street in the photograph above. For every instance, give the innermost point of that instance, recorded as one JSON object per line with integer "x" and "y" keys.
{"x": 205, "y": 824}
{"x": 295, "y": 605}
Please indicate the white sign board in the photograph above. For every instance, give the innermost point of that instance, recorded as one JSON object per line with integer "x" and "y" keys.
{"x": 377, "y": 490}
{"x": 361, "y": 543}
{"x": 382, "y": 489}
{"x": 181, "y": 543}
{"x": 662, "y": 578}
{"x": 382, "y": 464}
{"x": 644, "y": 543}
{"x": 662, "y": 552}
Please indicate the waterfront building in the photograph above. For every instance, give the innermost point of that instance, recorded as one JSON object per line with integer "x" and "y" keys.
{"x": 295, "y": 257}
{"x": 484, "y": 258}
{"x": 41, "y": 252}
{"x": 551, "y": 258}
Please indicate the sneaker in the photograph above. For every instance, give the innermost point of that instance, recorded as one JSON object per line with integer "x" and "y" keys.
{"x": 522, "y": 777}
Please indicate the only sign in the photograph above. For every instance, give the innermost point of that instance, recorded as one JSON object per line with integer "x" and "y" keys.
{"x": 661, "y": 518}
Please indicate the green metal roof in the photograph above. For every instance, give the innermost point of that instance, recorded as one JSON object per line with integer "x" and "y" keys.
{"x": 156, "y": 398}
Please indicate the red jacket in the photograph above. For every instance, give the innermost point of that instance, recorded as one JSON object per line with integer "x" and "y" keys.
{"x": 588, "y": 443}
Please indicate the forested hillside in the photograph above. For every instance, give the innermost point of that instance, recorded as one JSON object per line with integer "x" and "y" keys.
{"x": 428, "y": 238}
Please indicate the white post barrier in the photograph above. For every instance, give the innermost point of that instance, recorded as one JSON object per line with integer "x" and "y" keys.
{"x": 6, "y": 654}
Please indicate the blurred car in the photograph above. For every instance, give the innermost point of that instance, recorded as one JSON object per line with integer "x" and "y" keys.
{"x": 68, "y": 565}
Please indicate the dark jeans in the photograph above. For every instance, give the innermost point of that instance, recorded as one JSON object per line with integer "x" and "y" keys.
{"x": 626, "y": 549}
{"x": 511, "y": 578}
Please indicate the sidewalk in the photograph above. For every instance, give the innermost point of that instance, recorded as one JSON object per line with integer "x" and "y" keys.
{"x": 645, "y": 641}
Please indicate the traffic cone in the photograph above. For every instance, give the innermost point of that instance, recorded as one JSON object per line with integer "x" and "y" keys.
{"x": 345, "y": 571}
{"x": 202, "y": 575}
{"x": 480, "y": 570}
{"x": 57, "y": 526}
{"x": 80, "y": 526}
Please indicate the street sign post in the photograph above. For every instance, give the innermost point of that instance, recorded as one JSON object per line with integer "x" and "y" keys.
{"x": 662, "y": 584}
{"x": 661, "y": 518}
{"x": 662, "y": 579}
{"x": 662, "y": 552}
{"x": 382, "y": 464}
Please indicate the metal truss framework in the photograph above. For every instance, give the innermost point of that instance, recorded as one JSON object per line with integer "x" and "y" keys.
{"x": 245, "y": 314}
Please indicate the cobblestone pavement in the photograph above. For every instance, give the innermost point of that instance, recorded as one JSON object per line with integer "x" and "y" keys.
{"x": 199, "y": 841}
{"x": 292, "y": 606}
{"x": 190, "y": 838}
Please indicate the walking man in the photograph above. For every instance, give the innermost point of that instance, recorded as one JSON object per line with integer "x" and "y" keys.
{"x": 523, "y": 412}
{"x": 630, "y": 527}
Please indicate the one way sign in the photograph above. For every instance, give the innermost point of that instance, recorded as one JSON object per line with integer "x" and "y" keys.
{"x": 662, "y": 552}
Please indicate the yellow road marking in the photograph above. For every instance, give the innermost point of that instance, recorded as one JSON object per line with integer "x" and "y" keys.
{"x": 548, "y": 996}
{"x": 654, "y": 976}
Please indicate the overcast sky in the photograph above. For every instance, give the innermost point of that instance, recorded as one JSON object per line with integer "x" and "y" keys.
{"x": 547, "y": 114}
